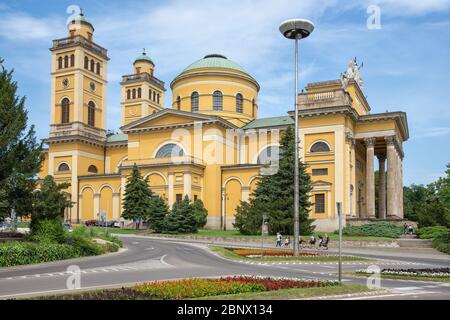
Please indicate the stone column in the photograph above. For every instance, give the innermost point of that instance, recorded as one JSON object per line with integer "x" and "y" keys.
{"x": 245, "y": 193}
{"x": 382, "y": 191}
{"x": 391, "y": 170}
{"x": 370, "y": 178}
{"x": 401, "y": 214}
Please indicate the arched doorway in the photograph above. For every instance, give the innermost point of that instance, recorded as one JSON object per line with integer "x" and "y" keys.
{"x": 87, "y": 204}
{"x": 233, "y": 196}
{"x": 106, "y": 202}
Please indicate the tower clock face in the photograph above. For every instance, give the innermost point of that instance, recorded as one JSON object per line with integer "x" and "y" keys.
{"x": 92, "y": 85}
{"x": 65, "y": 82}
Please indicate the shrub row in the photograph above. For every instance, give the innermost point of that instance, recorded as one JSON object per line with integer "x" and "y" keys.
{"x": 440, "y": 236}
{"x": 20, "y": 252}
{"x": 376, "y": 229}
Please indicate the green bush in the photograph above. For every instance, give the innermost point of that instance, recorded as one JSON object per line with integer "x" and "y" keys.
{"x": 20, "y": 252}
{"x": 442, "y": 242}
{"x": 47, "y": 231}
{"x": 431, "y": 232}
{"x": 376, "y": 229}
{"x": 85, "y": 246}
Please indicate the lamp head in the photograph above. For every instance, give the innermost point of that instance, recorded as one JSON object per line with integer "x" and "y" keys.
{"x": 296, "y": 28}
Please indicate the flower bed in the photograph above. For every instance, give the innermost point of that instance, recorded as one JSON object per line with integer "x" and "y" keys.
{"x": 432, "y": 272}
{"x": 194, "y": 288}
{"x": 250, "y": 253}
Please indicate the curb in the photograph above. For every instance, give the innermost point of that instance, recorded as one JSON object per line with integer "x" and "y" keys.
{"x": 348, "y": 295}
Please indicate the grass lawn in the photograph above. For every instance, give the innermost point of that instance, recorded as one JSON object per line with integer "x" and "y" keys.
{"x": 234, "y": 256}
{"x": 296, "y": 293}
{"x": 404, "y": 277}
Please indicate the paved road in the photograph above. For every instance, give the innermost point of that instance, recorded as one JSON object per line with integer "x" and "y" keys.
{"x": 149, "y": 259}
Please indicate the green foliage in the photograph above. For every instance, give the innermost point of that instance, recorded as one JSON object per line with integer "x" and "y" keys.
{"x": 47, "y": 231}
{"x": 430, "y": 205}
{"x": 50, "y": 201}
{"x": 431, "y": 232}
{"x": 20, "y": 154}
{"x": 137, "y": 201}
{"x": 274, "y": 196}
{"x": 442, "y": 242}
{"x": 84, "y": 246}
{"x": 376, "y": 229}
{"x": 20, "y": 252}
{"x": 158, "y": 212}
{"x": 181, "y": 219}
{"x": 200, "y": 213}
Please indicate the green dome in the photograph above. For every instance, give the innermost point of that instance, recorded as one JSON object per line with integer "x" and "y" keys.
{"x": 215, "y": 61}
{"x": 143, "y": 57}
{"x": 81, "y": 18}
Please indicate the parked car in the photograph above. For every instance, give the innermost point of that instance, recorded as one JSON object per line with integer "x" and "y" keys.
{"x": 68, "y": 227}
{"x": 90, "y": 223}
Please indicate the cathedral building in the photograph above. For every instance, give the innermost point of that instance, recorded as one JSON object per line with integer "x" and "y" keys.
{"x": 210, "y": 144}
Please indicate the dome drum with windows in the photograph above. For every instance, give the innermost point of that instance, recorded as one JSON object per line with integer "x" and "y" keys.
{"x": 217, "y": 86}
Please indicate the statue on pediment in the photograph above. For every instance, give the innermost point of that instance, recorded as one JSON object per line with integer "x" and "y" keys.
{"x": 353, "y": 72}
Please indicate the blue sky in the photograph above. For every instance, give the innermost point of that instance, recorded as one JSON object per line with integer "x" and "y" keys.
{"x": 406, "y": 62}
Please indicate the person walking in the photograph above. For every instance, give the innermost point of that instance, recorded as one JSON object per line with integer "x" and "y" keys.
{"x": 279, "y": 240}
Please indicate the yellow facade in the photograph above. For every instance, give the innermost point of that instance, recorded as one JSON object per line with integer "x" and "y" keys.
{"x": 210, "y": 144}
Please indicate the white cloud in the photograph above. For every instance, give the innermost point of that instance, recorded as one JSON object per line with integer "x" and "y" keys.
{"x": 410, "y": 7}
{"x": 20, "y": 26}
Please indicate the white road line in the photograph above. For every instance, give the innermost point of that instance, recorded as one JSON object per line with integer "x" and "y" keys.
{"x": 391, "y": 295}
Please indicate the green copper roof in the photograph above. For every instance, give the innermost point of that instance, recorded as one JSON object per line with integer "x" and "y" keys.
{"x": 117, "y": 137}
{"x": 269, "y": 122}
{"x": 83, "y": 19}
{"x": 215, "y": 61}
{"x": 144, "y": 57}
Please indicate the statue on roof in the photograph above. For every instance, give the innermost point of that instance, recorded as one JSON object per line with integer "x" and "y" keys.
{"x": 353, "y": 72}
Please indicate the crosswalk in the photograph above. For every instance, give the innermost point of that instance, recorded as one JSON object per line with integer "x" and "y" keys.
{"x": 142, "y": 265}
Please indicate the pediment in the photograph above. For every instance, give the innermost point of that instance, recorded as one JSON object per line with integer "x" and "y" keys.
{"x": 319, "y": 183}
{"x": 170, "y": 117}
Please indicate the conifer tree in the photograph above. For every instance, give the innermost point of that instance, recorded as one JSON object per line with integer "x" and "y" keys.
{"x": 20, "y": 154}
{"x": 158, "y": 213}
{"x": 200, "y": 213}
{"x": 274, "y": 196}
{"x": 137, "y": 201}
{"x": 181, "y": 219}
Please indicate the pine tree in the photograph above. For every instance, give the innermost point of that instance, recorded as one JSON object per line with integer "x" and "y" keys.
{"x": 200, "y": 213}
{"x": 181, "y": 219}
{"x": 274, "y": 196}
{"x": 20, "y": 154}
{"x": 137, "y": 201}
{"x": 158, "y": 213}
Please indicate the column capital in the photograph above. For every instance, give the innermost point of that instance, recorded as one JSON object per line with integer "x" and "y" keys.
{"x": 349, "y": 138}
{"x": 370, "y": 142}
{"x": 390, "y": 140}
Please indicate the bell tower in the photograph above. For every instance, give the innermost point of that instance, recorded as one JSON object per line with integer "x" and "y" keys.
{"x": 78, "y": 83}
{"x": 142, "y": 92}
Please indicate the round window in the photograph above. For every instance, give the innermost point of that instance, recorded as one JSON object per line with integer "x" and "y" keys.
{"x": 65, "y": 82}
{"x": 92, "y": 85}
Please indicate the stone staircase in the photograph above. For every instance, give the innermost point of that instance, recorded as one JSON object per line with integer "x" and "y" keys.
{"x": 411, "y": 241}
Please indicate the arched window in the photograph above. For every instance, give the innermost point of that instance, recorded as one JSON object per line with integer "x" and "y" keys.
{"x": 320, "y": 146}
{"x": 150, "y": 94}
{"x": 60, "y": 62}
{"x": 139, "y": 92}
{"x": 66, "y": 61}
{"x": 98, "y": 67}
{"x": 194, "y": 101}
{"x": 133, "y": 95}
{"x": 178, "y": 102}
{"x": 63, "y": 167}
{"x": 170, "y": 150}
{"x": 92, "y": 169}
{"x": 154, "y": 96}
{"x": 253, "y": 107}
{"x": 128, "y": 94}
{"x": 239, "y": 103}
{"x": 91, "y": 113}
{"x": 65, "y": 110}
{"x": 92, "y": 65}
{"x": 72, "y": 60}
{"x": 157, "y": 98}
{"x": 86, "y": 63}
{"x": 269, "y": 155}
{"x": 217, "y": 100}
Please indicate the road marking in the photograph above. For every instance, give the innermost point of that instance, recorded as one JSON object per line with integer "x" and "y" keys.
{"x": 135, "y": 242}
{"x": 391, "y": 295}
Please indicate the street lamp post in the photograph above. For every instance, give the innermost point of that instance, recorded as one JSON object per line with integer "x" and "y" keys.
{"x": 296, "y": 29}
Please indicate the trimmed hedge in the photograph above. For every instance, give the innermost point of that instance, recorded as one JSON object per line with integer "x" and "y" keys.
{"x": 19, "y": 252}
{"x": 375, "y": 229}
